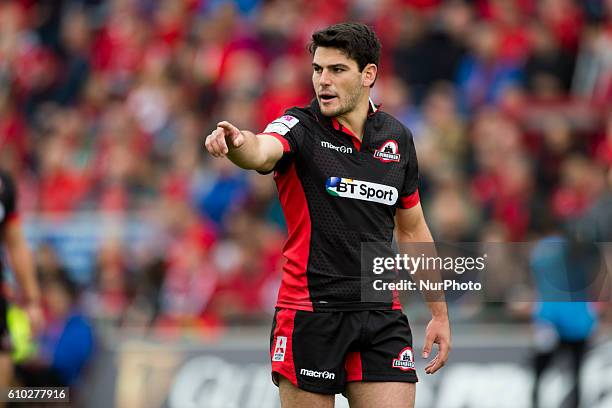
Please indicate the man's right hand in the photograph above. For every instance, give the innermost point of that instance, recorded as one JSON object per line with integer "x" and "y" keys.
{"x": 244, "y": 148}
{"x": 225, "y": 137}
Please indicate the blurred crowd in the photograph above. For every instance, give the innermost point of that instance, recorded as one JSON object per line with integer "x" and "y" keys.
{"x": 104, "y": 106}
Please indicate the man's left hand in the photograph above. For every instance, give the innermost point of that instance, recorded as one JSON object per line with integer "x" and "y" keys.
{"x": 437, "y": 331}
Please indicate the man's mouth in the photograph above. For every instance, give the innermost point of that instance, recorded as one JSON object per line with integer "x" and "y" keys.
{"x": 326, "y": 97}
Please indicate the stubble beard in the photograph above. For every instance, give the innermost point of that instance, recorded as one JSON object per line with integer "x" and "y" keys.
{"x": 351, "y": 101}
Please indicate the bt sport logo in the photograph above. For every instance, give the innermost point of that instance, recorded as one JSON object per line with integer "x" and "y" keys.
{"x": 361, "y": 190}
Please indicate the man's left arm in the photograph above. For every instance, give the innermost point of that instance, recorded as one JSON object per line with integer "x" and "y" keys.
{"x": 411, "y": 227}
{"x": 22, "y": 264}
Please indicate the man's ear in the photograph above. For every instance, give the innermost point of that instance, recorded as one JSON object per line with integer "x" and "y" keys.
{"x": 369, "y": 75}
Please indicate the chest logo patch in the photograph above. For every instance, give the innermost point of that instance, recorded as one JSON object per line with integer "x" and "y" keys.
{"x": 282, "y": 125}
{"x": 388, "y": 152}
{"x": 361, "y": 190}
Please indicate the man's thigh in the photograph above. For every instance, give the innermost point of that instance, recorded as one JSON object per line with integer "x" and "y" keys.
{"x": 293, "y": 397}
{"x": 381, "y": 394}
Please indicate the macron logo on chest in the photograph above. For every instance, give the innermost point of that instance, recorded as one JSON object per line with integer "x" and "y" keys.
{"x": 341, "y": 149}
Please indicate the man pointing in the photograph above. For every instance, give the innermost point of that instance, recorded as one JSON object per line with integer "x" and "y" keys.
{"x": 346, "y": 174}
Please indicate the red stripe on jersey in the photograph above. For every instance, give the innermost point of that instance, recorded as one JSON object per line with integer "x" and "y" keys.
{"x": 285, "y": 322}
{"x": 396, "y": 302}
{"x": 345, "y": 130}
{"x": 286, "y": 147}
{"x": 352, "y": 364}
{"x": 410, "y": 200}
{"x": 293, "y": 292}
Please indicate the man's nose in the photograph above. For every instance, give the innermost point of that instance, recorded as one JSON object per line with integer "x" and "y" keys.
{"x": 325, "y": 78}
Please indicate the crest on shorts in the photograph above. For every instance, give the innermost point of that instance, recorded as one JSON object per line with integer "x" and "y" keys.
{"x": 280, "y": 348}
{"x": 388, "y": 152}
{"x": 405, "y": 360}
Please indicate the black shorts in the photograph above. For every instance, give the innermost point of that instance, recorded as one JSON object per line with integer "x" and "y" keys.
{"x": 322, "y": 351}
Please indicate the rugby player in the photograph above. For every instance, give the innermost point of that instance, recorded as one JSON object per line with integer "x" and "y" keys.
{"x": 13, "y": 240}
{"x": 346, "y": 173}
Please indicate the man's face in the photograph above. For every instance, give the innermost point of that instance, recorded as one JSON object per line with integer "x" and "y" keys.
{"x": 337, "y": 81}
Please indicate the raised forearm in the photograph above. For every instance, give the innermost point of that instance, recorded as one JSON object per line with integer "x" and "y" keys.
{"x": 250, "y": 155}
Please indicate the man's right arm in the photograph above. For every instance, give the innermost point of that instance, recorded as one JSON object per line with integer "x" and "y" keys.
{"x": 244, "y": 148}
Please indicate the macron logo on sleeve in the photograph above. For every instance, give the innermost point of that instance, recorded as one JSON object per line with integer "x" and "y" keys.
{"x": 282, "y": 125}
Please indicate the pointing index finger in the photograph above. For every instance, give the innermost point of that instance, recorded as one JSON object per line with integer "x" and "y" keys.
{"x": 227, "y": 126}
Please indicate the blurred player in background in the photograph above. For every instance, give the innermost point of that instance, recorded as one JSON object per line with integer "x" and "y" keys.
{"x": 22, "y": 265}
{"x": 564, "y": 322}
{"x": 329, "y": 160}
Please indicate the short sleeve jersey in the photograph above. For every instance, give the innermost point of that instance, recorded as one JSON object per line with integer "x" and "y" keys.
{"x": 338, "y": 192}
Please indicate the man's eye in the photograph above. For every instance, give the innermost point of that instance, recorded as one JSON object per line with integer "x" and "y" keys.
{"x": 338, "y": 70}
{"x": 317, "y": 69}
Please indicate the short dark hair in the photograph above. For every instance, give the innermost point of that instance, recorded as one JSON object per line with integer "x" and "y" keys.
{"x": 356, "y": 40}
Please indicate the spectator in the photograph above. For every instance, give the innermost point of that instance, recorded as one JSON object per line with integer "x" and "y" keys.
{"x": 110, "y": 293}
{"x": 482, "y": 75}
{"x": 563, "y": 321}
{"x": 548, "y": 67}
{"x": 66, "y": 345}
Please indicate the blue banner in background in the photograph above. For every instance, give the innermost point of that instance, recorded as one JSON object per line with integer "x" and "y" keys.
{"x": 77, "y": 238}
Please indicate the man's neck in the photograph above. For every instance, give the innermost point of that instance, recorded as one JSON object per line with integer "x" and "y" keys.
{"x": 355, "y": 119}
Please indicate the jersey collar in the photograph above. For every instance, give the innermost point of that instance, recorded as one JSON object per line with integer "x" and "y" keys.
{"x": 373, "y": 108}
{"x": 333, "y": 122}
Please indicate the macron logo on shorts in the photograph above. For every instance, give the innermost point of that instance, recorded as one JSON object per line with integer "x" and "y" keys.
{"x": 282, "y": 125}
{"x": 326, "y": 375}
{"x": 280, "y": 348}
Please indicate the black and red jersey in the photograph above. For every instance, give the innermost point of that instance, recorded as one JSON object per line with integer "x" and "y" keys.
{"x": 337, "y": 193}
{"x": 8, "y": 208}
